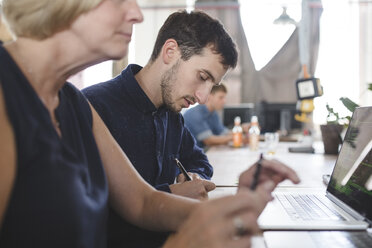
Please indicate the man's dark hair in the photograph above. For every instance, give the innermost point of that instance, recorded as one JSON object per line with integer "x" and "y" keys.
{"x": 219, "y": 87}
{"x": 193, "y": 32}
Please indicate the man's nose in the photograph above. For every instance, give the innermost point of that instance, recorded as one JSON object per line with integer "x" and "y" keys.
{"x": 202, "y": 93}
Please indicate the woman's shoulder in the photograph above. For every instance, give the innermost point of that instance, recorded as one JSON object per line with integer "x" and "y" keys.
{"x": 7, "y": 142}
{"x": 69, "y": 93}
{"x": 7, "y": 157}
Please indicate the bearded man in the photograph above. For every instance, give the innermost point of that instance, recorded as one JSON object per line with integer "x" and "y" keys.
{"x": 141, "y": 107}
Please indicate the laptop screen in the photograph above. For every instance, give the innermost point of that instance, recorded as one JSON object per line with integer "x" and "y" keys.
{"x": 351, "y": 179}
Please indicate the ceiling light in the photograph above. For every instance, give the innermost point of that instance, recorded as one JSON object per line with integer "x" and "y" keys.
{"x": 284, "y": 18}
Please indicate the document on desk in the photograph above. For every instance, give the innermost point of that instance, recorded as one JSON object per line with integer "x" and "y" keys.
{"x": 222, "y": 191}
{"x": 345, "y": 205}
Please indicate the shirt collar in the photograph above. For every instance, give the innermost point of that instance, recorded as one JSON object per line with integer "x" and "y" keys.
{"x": 134, "y": 90}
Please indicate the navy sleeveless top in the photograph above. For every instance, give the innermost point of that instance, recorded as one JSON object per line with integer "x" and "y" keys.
{"x": 60, "y": 194}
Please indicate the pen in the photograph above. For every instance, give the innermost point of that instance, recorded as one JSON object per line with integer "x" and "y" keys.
{"x": 182, "y": 169}
{"x": 257, "y": 173}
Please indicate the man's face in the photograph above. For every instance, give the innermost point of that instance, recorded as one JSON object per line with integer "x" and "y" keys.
{"x": 217, "y": 100}
{"x": 191, "y": 81}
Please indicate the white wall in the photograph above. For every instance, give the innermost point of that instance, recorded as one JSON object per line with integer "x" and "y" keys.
{"x": 145, "y": 35}
{"x": 338, "y": 62}
{"x": 365, "y": 53}
{"x": 155, "y": 13}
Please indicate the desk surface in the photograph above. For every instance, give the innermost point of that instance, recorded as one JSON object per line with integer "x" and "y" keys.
{"x": 229, "y": 162}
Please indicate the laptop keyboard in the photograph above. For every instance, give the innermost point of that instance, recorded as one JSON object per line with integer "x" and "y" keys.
{"x": 307, "y": 207}
{"x": 330, "y": 239}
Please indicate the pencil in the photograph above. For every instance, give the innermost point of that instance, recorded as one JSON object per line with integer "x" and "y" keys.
{"x": 182, "y": 169}
{"x": 257, "y": 173}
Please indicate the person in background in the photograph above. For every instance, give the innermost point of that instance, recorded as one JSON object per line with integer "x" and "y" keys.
{"x": 204, "y": 122}
{"x": 191, "y": 54}
{"x": 60, "y": 166}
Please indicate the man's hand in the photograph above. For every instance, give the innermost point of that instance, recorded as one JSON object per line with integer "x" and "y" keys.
{"x": 272, "y": 170}
{"x": 181, "y": 178}
{"x": 197, "y": 188}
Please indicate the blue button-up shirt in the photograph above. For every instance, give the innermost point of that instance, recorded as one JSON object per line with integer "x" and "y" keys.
{"x": 152, "y": 138}
{"x": 202, "y": 123}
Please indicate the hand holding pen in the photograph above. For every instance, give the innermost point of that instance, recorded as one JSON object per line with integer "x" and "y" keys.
{"x": 256, "y": 175}
{"x": 183, "y": 170}
{"x": 267, "y": 173}
{"x": 193, "y": 187}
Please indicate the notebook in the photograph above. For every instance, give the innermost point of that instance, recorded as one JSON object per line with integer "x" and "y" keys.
{"x": 346, "y": 205}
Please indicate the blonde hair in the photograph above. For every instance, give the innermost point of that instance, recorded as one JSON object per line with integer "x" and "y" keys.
{"x": 40, "y": 19}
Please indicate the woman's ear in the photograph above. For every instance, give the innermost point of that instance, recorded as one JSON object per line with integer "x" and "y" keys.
{"x": 170, "y": 51}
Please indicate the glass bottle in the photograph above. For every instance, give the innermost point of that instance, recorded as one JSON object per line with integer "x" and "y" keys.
{"x": 237, "y": 133}
{"x": 254, "y": 134}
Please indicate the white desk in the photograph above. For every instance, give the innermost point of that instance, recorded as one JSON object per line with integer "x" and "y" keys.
{"x": 229, "y": 162}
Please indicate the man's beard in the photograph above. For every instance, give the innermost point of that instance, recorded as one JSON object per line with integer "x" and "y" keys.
{"x": 167, "y": 87}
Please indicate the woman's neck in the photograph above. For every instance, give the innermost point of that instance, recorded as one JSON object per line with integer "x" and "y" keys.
{"x": 47, "y": 64}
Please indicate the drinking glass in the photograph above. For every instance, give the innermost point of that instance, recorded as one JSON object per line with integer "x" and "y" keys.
{"x": 271, "y": 142}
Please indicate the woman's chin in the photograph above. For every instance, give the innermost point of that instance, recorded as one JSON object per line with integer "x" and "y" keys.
{"x": 118, "y": 54}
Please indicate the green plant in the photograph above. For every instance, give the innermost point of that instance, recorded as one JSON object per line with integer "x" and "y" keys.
{"x": 334, "y": 118}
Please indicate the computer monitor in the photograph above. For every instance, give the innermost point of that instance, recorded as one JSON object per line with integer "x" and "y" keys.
{"x": 277, "y": 116}
{"x": 245, "y": 111}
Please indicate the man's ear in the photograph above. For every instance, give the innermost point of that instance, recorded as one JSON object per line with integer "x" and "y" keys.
{"x": 170, "y": 51}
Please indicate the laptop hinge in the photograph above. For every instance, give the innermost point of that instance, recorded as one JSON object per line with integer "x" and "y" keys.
{"x": 345, "y": 207}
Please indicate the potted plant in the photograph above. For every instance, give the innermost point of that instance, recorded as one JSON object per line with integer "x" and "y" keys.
{"x": 331, "y": 132}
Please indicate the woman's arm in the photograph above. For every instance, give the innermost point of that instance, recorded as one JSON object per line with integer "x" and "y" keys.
{"x": 7, "y": 158}
{"x": 130, "y": 195}
{"x": 228, "y": 221}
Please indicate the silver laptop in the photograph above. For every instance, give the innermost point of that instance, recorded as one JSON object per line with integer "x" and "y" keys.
{"x": 318, "y": 239}
{"x": 347, "y": 204}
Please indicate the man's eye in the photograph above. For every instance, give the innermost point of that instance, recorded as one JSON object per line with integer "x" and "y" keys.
{"x": 203, "y": 78}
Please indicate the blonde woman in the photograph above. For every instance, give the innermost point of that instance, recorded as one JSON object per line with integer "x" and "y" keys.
{"x": 59, "y": 165}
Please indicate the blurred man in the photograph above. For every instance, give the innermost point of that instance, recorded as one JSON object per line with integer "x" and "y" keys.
{"x": 204, "y": 122}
